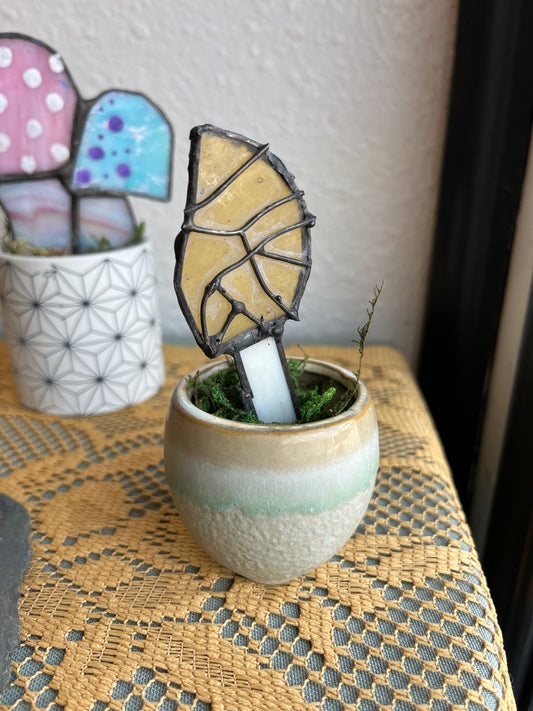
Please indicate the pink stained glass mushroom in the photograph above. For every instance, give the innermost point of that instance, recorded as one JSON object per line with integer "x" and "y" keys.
{"x": 37, "y": 108}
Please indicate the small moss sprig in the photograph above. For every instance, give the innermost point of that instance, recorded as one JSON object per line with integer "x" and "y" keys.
{"x": 139, "y": 233}
{"x": 363, "y": 330}
{"x": 360, "y": 342}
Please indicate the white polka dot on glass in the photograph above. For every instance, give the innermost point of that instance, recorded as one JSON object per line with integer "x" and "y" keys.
{"x": 28, "y": 164}
{"x": 56, "y": 64}
{"x": 59, "y": 152}
{"x": 34, "y": 128}
{"x": 54, "y": 102}
{"x": 6, "y": 57}
{"x": 3, "y": 103}
{"x": 32, "y": 78}
{"x": 5, "y": 142}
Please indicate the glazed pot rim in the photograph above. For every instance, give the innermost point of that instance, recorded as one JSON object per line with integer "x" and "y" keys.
{"x": 181, "y": 400}
{"x": 108, "y": 253}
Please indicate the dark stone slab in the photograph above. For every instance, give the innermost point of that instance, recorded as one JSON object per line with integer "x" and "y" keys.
{"x": 15, "y": 555}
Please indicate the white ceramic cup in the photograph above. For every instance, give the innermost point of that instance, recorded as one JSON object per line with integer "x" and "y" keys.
{"x": 83, "y": 330}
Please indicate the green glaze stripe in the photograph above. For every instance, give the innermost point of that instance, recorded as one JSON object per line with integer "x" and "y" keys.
{"x": 258, "y": 497}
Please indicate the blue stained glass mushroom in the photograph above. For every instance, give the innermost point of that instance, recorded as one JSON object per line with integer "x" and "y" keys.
{"x": 125, "y": 148}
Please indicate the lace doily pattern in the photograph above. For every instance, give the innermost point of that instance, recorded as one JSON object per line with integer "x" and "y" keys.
{"x": 121, "y": 610}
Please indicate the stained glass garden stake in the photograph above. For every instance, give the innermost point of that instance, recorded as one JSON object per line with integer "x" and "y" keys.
{"x": 242, "y": 262}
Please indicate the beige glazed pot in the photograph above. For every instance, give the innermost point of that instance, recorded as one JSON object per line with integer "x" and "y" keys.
{"x": 271, "y": 502}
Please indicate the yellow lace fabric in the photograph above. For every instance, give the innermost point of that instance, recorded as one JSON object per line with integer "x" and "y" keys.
{"x": 120, "y": 609}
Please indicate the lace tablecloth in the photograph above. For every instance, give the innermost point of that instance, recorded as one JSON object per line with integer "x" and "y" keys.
{"x": 120, "y": 609}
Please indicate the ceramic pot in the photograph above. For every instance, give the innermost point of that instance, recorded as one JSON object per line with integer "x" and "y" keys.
{"x": 271, "y": 502}
{"x": 83, "y": 330}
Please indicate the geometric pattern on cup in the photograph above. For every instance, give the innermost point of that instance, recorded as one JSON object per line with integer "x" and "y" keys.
{"x": 83, "y": 342}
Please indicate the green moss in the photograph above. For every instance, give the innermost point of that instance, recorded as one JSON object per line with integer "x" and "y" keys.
{"x": 138, "y": 233}
{"x": 24, "y": 247}
{"x": 318, "y": 398}
{"x": 99, "y": 244}
{"x": 102, "y": 244}
{"x": 219, "y": 395}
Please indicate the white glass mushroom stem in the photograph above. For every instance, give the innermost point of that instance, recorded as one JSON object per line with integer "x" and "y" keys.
{"x": 266, "y": 376}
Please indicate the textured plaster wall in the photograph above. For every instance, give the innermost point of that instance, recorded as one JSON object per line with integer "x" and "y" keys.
{"x": 351, "y": 94}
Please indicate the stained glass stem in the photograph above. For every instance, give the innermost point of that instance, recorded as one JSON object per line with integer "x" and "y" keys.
{"x": 74, "y": 224}
{"x": 265, "y": 377}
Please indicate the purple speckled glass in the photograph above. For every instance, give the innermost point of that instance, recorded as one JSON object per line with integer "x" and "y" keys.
{"x": 83, "y": 177}
{"x": 131, "y": 156}
{"x": 116, "y": 124}
{"x": 123, "y": 170}
{"x": 96, "y": 153}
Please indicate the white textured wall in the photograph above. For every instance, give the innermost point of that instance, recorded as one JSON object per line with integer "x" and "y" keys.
{"x": 351, "y": 94}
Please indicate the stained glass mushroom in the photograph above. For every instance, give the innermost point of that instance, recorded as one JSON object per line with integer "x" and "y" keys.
{"x": 66, "y": 164}
{"x": 242, "y": 262}
{"x": 125, "y": 147}
{"x": 38, "y": 102}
